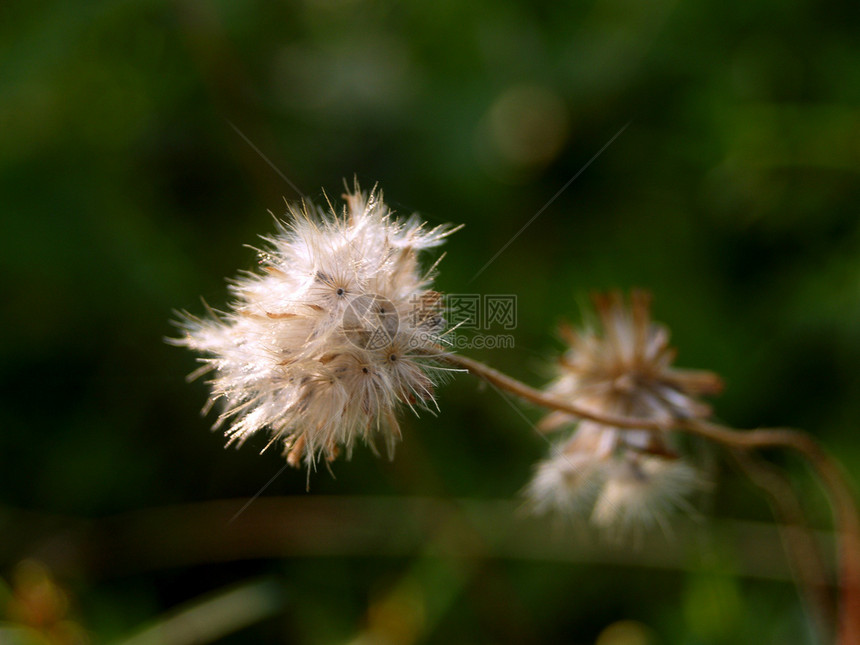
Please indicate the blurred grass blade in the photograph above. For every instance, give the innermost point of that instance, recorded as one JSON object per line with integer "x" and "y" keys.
{"x": 213, "y": 616}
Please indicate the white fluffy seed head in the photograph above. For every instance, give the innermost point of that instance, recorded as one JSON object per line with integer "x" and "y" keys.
{"x": 623, "y": 366}
{"x": 643, "y": 490}
{"x": 621, "y": 492}
{"x": 565, "y": 483}
{"x": 334, "y": 331}
{"x": 628, "y": 478}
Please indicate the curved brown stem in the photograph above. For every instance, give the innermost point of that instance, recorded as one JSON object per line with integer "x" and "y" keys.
{"x": 802, "y": 549}
{"x": 542, "y": 399}
{"x": 834, "y": 482}
{"x": 839, "y": 494}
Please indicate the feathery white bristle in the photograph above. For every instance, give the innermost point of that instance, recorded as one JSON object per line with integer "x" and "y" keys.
{"x": 622, "y": 367}
{"x": 323, "y": 343}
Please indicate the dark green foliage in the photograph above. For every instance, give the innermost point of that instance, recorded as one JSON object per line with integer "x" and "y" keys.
{"x": 126, "y": 193}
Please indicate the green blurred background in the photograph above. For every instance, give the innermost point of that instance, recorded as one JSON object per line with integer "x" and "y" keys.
{"x": 128, "y": 192}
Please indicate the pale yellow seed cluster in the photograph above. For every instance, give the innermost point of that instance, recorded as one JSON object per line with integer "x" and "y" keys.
{"x": 620, "y": 367}
{"x": 336, "y": 329}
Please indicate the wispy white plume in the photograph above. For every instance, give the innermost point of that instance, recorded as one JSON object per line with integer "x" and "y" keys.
{"x": 620, "y": 367}
{"x": 336, "y": 329}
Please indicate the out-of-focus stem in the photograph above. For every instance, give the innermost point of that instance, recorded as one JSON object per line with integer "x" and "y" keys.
{"x": 839, "y": 494}
{"x": 802, "y": 549}
{"x": 532, "y": 395}
{"x": 829, "y": 472}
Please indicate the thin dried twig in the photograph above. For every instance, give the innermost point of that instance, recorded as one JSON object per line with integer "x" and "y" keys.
{"x": 828, "y": 471}
{"x": 802, "y": 549}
